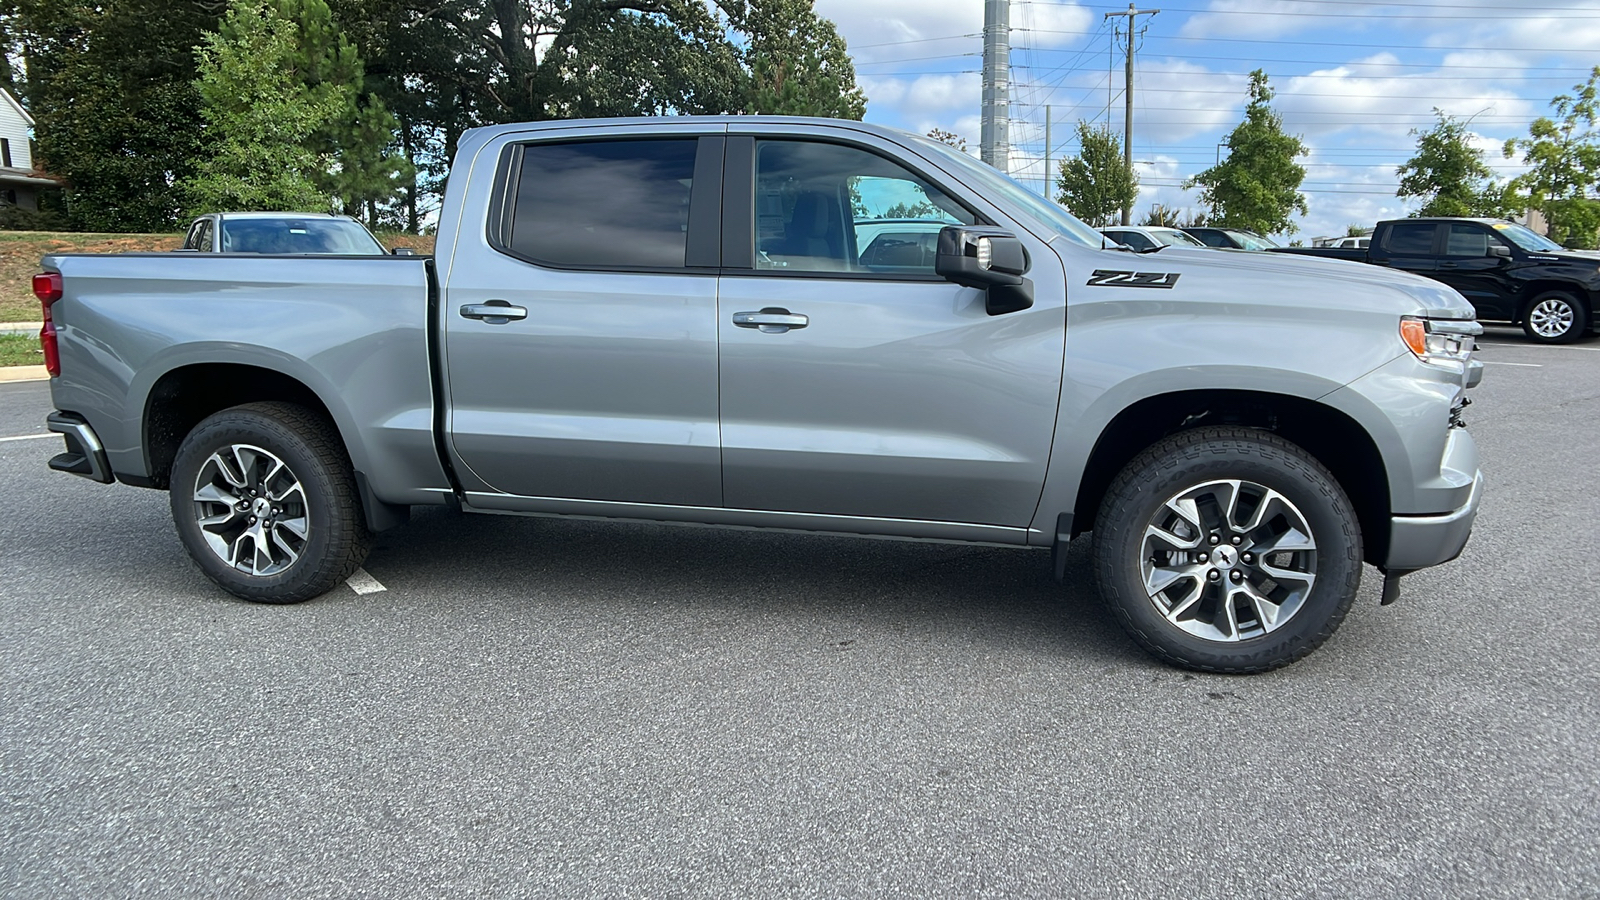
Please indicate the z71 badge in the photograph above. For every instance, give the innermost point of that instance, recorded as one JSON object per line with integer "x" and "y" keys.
{"x": 1115, "y": 278}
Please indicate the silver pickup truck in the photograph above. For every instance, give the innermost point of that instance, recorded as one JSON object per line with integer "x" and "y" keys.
{"x": 797, "y": 324}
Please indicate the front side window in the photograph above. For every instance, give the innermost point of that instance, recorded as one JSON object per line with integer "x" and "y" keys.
{"x": 202, "y": 241}
{"x": 604, "y": 204}
{"x": 828, "y": 208}
{"x": 1467, "y": 240}
{"x": 191, "y": 241}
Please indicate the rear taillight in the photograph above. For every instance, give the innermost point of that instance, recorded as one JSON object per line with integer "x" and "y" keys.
{"x": 47, "y": 287}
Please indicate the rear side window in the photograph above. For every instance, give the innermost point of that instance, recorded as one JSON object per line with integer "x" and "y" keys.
{"x": 1214, "y": 239}
{"x": 604, "y": 204}
{"x": 1410, "y": 239}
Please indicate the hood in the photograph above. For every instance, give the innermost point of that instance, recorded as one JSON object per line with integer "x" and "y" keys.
{"x": 1302, "y": 279}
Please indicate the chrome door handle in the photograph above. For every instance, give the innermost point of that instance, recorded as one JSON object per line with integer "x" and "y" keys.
{"x": 494, "y": 312}
{"x": 771, "y": 320}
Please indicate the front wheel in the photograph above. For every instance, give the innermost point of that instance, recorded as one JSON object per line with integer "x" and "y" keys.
{"x": 265, "y": 502}
{"x": 1555, "y": 318}
{"x": 1227, "y": 550}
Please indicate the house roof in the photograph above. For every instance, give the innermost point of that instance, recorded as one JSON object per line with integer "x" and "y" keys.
{"x": 12, "y": 102}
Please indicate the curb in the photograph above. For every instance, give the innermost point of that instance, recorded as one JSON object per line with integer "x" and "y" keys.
{"x": 20, "y": 327}
{"x": 23, "y": 373}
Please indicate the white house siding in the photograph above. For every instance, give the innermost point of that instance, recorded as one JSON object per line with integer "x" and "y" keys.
{"x": 14, "y": 128}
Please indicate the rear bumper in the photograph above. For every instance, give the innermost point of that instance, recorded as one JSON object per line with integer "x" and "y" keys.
{"x": 1417, "y": 542}
{"x": 85, "y": 455}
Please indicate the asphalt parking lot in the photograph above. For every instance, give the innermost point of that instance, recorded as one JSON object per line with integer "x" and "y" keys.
{"x": 545, "y": 708}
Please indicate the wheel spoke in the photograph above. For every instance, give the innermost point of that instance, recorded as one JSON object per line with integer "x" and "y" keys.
{"x": 1266, "y": 611}
{"x": 1163, "y": 577}
{"x": 1186, "y": 602}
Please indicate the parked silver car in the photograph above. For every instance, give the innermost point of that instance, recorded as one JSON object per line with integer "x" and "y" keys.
{"x": 281, "y": 232}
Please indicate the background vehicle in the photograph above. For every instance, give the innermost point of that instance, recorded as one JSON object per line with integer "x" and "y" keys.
{"x": 1352, "y": 243}
{"x": 679, "y": 320}
{"x": 1231, "y": 238}
{"x": 1145, "y": 238}
{"x": 281, "y": 233}
{"x": 1508, "y": 273}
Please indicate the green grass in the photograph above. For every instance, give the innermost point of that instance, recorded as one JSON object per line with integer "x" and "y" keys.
{"x": 20, "y": 350}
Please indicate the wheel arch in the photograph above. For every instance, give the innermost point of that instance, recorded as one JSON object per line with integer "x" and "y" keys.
{"x": 181, "y": 397}
{"x": 1539, "y": 287}
{"x": 1330, "y": 435}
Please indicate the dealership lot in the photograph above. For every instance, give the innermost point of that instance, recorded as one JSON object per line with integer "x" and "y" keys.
{"x": 535, "y": 707}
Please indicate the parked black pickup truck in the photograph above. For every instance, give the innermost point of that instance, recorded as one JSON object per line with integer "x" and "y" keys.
{"x": 1510, "y": 274}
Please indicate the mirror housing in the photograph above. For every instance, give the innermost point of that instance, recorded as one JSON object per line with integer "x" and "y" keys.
{"x": 990, "y": 259}
{"x": 1499, "y": 250}
{"x": 403, "y": 251}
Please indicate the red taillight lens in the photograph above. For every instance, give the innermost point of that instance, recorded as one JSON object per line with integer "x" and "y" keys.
{"x": 47, "y": 287}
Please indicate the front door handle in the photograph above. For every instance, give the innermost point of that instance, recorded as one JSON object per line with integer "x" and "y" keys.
{"x": 771, "y": 320}
{"x": 1448, "y": 265}
{"x": 493, "y": 312}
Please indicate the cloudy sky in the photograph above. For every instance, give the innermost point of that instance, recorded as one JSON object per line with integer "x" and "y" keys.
{"x": 1351, "y": 78}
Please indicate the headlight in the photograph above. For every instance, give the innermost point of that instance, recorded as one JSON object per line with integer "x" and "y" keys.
{"x": 1440, "y": 341}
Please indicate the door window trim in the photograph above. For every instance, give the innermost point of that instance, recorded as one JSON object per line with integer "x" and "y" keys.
{"x": 703, "y": 237}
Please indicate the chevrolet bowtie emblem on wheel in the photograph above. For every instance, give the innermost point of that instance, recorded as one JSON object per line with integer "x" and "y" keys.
{"x": 1116, "y": 278}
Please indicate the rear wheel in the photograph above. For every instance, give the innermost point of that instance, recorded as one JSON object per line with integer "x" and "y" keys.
{"x": 1555, "y": 318}
{"x": 265, "y": 502}
{"x": 1227, "y": 550}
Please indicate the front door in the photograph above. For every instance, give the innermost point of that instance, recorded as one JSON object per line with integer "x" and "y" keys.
{"x": 1481, "y": 278}
{"x": 580, "y": 344}
{"x": 854, "y": 380}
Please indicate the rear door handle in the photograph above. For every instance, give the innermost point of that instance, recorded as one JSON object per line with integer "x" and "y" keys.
{"x": 771, "y": 320}
{"x": 1448, "y": 265}
{"x": 494, "y": 312}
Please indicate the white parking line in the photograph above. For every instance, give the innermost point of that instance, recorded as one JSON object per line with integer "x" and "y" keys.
{"x": 362, "y": 582}
{"x": 1496, "y": 362}
{"x": 1542, "y": 347}
{"x": 29, "y": 437}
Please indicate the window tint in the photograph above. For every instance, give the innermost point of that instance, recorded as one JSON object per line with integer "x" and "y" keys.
{"x": 1467, "y": 240}
{"x": 1213, "y": 238}
{"x": 1415, "y": 239}
{"x": 827, "y": 208}
{"x": 604, "y": 203}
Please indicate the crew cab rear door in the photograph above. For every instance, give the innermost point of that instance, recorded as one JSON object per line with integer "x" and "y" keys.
{"x": 580, "y": 318}
{"x": 854, "y": 380}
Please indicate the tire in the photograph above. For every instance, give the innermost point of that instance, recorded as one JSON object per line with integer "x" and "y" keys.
{"x": 1555, "y": 317}
{"x": 265, "y": 502}
{"x": 1181, "y": 488}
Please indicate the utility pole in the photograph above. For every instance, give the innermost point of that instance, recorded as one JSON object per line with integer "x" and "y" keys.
{"x": 1049, "y": 183}
{"x": 994, "y": 144}
{"x": 1127, "y": 117}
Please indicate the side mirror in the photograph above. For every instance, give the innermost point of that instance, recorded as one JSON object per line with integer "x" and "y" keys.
{"x": 403, "y": 251}
{"x": 1499, "y": 250}
{"x": 988, "y": 259}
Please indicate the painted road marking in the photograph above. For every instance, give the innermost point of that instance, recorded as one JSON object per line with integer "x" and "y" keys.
{"x": 1542, "y": 347}
{"x": 362, "y": 582}
{"x": 1496, "y": 362}
{"x": 29, "y": 437}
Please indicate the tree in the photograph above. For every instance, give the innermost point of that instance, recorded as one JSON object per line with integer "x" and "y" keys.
{"x": 1448, "y": 173}
{"x": 261, "y": 116}
{"x": 949, "y": 137}
{"x": 1258, "y": 186}
{"x": 797, "y": 61}
{"x": 1564, "y": 161}
{"x": 111, "y": 85}
{"x": 1098, "y": 182}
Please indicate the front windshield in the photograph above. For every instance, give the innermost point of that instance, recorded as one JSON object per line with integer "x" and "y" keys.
{"x": 1522, "y": 237}
{"x": 1172, "y": 237}
{"x": 294, "y": 235}
{"x": 1253, "y": 241}
{"x": 991, "y": 179}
